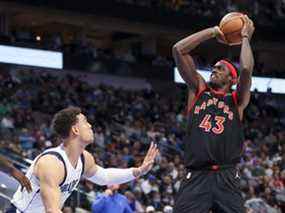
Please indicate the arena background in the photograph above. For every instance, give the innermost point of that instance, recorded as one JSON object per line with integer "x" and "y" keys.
{"x": 113, "y": 59}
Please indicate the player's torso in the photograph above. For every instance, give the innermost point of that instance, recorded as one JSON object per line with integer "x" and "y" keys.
{"x": 32, "y": 202}
{"x": 215, "y": 133}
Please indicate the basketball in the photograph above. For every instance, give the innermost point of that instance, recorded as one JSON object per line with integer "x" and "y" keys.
{"x": 231, "y": 25}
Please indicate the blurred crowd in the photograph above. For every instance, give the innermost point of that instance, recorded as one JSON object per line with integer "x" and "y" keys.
{"x": 125, "y": 122}
{"x": 81, "y": 54}
{"x": 212, "y": 8}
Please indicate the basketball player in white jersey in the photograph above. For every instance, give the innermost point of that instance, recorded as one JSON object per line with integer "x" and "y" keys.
{"x": 56, "y": 172}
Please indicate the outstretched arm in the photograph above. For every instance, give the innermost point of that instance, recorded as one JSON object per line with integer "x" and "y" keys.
{"x": 110, "y": 176}
{"x": 184, "y": 61}
{"x": 247, "y": 63}
{"x": 7, "y": 167}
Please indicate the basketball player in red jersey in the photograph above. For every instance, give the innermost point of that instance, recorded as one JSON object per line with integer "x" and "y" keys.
{"x": 213, "y": 145}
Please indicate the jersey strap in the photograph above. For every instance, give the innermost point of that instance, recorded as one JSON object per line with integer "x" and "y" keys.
{"x": 197, "y": 96}
{"x": 59, "y": 157}
{"x": 83, "y": 163}
{"x": 235, "y": 98}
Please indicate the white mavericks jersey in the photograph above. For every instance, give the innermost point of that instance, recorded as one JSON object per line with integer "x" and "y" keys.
{"x": 32, "y": 202}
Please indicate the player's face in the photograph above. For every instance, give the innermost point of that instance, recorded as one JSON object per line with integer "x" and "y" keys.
{"x": 85, "y": 131}
{"x": 220, "y": 75}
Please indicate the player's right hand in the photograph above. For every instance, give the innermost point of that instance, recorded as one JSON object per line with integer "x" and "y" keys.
{"x": 22, "y": 179}
{"x": 248, "y": 27}
{"x": 149, "y": 159}
{"x": 219, "y": 35}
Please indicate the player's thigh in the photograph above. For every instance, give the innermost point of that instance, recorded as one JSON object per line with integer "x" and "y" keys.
{"x": 194, "y": 194}
{"x": 227, "y": 193}
{"x": 234, "y": 205}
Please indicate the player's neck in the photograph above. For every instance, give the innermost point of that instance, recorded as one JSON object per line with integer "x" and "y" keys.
{"x": 219, "y": 90}
{"x": 73, "y": 150}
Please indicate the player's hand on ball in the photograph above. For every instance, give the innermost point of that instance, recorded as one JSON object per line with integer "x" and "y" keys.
{"x": 22, "y": 179}
{"x": 219, "y": 35}
{"x": 248, "y": 27}
{"x": 149, "y": 159}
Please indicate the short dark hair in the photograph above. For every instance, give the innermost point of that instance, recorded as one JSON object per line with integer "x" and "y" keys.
{"x": 64, "y": 120}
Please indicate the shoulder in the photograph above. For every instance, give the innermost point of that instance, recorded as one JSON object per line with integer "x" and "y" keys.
{"x": 90, "y": 166}
{"x": 88, "y": 157}
{"x": 193, "y": 97}
{"x": 49, "y": 161}
{"x": 231, "y": 98}
{"x": 198, "y": 91}
{"x": 49, "y": 166}
{"x": 87, "y": 154}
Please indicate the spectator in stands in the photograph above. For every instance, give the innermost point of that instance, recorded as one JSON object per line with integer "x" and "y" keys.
{"x": 111, "y": 201}
{"x": 135, "y": 205}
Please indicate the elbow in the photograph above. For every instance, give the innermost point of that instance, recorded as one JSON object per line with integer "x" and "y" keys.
{"x": 100, "y": 177}
{"x": 102, "y": 183}
{"x": 98, "y": 181}
{"x": 174, "y": 47}
{"x": 176, "y": 50}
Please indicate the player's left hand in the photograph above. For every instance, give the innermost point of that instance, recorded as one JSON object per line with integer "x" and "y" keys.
{"x": 22, "y": 179}
{"x": 149, "y": 159}
{"x": 248, "y": 27}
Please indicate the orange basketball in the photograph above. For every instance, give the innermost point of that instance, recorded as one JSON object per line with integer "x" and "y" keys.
{"x": 231, "y": 25}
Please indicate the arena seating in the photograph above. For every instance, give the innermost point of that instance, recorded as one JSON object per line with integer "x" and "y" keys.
{"x": 125, "y": 122}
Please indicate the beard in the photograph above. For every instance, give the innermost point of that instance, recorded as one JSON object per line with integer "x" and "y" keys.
{"x": 215, "y": 85}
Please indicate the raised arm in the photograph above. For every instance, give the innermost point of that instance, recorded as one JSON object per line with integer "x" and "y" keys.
{"x": 50, "y": 173}
{"x": 110, "y": 176}
{"x": 184, "y": 61}
{"x": 246, "y": 63}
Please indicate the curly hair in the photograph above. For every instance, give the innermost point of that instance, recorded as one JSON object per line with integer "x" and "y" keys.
{"x": 64, "y": 120}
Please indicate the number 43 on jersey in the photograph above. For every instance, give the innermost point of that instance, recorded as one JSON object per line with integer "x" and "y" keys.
{"x": 206, "y": 124}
